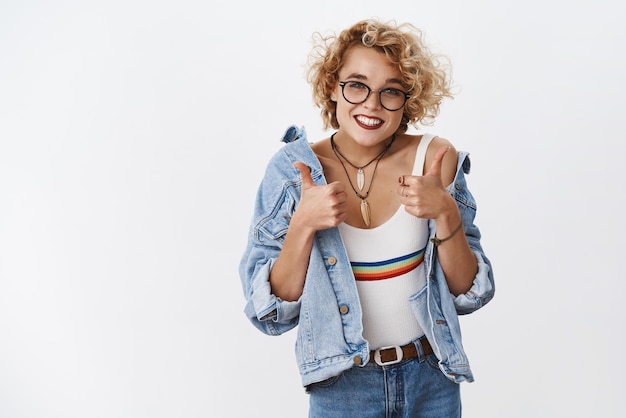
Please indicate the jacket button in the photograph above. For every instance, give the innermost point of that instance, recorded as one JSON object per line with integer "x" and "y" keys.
{"x": 343, "y": 309}
{"x": 358, "y": 360}
{"x": 332, "y": 261}
{"x": 458, "y": 187}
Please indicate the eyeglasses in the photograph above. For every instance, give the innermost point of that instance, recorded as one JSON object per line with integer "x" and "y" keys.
{"x": 356, "y": 92}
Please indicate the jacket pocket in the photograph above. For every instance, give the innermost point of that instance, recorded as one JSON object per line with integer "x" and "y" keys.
{"x": 274, "y": 225}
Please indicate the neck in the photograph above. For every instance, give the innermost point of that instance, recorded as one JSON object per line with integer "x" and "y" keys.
{"x": 358, "y": 155}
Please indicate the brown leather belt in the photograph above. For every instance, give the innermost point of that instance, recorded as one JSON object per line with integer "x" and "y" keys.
{"x": 391, "y": 355}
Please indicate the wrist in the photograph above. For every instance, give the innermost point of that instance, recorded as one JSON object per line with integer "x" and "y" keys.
{"x": 449, "y": 214}
{"x": 437, "y": 241}
{"x": 447, "y": 224}
{"x": 298, "y": 225}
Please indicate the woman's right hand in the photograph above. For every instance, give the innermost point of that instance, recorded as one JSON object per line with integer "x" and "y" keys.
{"x": 320, "y": 207}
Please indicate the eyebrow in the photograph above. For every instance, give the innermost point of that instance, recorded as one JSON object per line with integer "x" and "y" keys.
{"x": 359, "y": 76}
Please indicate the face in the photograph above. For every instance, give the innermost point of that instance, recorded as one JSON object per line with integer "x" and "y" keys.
{"x": 367, "y": 123}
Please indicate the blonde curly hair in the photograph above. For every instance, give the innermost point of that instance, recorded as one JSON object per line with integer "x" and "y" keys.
{"x": 424, "y": 75}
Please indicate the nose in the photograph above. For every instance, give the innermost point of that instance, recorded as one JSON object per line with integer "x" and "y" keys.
{"x": 373, "y": 100}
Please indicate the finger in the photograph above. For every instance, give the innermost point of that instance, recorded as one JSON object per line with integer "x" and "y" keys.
{"x": 403, "y": 190}
{"x": 338, "y": 188}
{"x": 305, "y": 174}
{"x": 435, "y": 166}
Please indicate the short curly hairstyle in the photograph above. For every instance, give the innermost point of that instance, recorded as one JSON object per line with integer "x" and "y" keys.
{"x": 424, "y": 75}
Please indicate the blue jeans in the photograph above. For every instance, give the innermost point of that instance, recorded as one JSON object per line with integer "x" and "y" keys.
{"x": 409, "y": 389}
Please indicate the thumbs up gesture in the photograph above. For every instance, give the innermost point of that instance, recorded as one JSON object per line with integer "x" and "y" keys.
{"x": 425, "y": 196}
{"x": 320, "y": 207}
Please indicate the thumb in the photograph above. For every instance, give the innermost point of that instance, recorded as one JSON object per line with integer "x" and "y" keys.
{"x": 305, "y": 174}
{"x": 435, "y": 166}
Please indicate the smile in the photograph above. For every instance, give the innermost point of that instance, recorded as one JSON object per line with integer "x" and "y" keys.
{"x": 364, "y": 120}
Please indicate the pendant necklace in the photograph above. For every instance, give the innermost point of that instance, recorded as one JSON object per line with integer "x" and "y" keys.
{"x": 360, "y": 176}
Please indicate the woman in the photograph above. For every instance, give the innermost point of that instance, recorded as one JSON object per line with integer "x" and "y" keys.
{"x": 366, "y": 239}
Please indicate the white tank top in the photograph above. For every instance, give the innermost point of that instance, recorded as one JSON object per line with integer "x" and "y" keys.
{"x": 387, "y": 264}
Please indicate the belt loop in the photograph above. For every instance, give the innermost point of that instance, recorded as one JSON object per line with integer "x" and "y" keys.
{"x": 420, "y": 347}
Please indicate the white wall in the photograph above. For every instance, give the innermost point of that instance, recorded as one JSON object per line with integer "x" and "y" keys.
{"x": 133, "y": 135}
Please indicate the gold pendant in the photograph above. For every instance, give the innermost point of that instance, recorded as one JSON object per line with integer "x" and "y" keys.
{"x": 365, "y": 212}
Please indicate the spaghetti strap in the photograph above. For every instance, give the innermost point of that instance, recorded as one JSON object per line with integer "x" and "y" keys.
{"x": 420, "y": 154}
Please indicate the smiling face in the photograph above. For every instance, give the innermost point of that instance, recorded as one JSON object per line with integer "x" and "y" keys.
{"x": 367, "y": 123}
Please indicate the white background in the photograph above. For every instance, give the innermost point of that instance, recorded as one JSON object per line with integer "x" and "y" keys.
{"x": 133, "y": 135}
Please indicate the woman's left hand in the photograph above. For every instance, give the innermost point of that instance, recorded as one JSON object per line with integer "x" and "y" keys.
{"x": 425, "y": 196}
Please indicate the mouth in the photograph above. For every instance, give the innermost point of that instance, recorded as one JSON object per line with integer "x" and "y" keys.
{"x": 367, "y": 122}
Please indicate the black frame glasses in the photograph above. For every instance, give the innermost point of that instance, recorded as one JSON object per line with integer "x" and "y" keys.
{"x": 391, "y": 92}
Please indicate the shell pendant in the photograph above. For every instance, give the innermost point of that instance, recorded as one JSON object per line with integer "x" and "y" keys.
{"x": 365, "y": 212}
{"x": 360, "y": 178}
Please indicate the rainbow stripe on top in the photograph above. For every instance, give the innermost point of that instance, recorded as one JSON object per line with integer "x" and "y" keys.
{"x": 387, "y": 269}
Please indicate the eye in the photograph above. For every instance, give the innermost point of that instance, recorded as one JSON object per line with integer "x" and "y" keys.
{"x": 355, "y": 85}
{"x": 393, "y": 92}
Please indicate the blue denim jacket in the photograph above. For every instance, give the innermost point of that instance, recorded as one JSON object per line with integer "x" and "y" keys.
{"x": 328, "y": 314}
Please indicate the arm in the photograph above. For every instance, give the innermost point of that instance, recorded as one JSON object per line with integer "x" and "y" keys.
{"x": 454, "y": 254}
{"x": 320, "y": 207}
{"x": 426, "y": 197}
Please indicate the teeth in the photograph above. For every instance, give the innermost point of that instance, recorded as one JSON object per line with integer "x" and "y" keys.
{"x": 367, "y": 121}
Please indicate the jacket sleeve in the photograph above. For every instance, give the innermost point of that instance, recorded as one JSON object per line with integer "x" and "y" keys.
{"x": 272, "y": 212}
{"x": 483, "y": 286}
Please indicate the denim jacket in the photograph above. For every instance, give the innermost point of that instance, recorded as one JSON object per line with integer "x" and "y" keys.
{"x": 328, "y": 313}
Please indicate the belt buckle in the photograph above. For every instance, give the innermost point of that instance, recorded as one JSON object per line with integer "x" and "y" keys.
{"x": 399, "y": 355}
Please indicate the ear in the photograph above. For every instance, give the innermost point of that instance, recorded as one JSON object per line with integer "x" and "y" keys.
{"x": 333, "y": 95}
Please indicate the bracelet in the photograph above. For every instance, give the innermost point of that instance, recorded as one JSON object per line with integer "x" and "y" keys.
{"x": 438, "y": 241}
